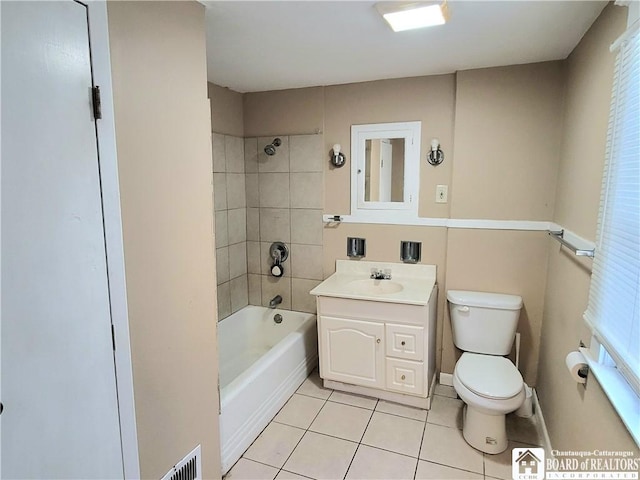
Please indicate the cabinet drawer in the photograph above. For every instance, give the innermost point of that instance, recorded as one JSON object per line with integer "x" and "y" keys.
{"x": 405, "y": 341}
{"x": 405, "y": 376}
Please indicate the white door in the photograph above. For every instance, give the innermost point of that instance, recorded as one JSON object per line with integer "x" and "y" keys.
{"x": 352, "y": 351}
{"x": 60, "y": 417}
{"x": 386, "y": 159}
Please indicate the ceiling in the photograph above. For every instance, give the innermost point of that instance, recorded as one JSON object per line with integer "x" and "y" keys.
{"x": 275, "y": 45}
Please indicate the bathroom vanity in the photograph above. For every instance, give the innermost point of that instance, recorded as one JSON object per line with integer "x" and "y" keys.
{"x": 377, "y": 335}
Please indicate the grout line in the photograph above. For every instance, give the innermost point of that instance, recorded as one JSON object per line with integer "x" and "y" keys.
{"x": 305, "y": 430}
{"x": 351, "y": 462}
{"x": 424, "y": 429}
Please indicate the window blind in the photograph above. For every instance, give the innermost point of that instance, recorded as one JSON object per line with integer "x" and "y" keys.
{"x": 613, "y": 311}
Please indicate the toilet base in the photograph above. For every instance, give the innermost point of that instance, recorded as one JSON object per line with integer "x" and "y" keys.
{"x": 483, "y": 432}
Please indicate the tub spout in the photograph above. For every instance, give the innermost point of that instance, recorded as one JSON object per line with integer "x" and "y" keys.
{"x": 275, "y": 301}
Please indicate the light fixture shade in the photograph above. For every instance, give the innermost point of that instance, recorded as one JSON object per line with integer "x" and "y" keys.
{"x": 407, "y": 16}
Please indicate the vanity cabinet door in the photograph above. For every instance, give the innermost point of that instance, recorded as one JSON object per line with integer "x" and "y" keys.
{"x": 352, "y": 351}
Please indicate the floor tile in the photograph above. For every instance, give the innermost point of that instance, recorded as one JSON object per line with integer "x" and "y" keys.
{"x": 375, "y": 464}
{"x": 284, "y": 475}
{"x": 402, "y": 410}
{"x": 249, "y": 470}
{"x": 299, "y": 411}
{"x": 433, "y": 471}
{"x": 320, "y": 456}
{"x": 342, "y": 421}
{"x": 446, "y": 391}
{"x": 499, "y": 466}
{"x": 523, "y": 430}
{"x": 275, "y": 444}
{"x": 397, "y": 434}
{"x": 446, "y": 446}
{"x": 446, "y": 411}
{"x": 312, "y": 387}
{"x": 352, "y": 399}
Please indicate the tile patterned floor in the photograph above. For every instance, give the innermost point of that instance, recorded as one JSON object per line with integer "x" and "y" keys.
{"x": 326, "y": 434}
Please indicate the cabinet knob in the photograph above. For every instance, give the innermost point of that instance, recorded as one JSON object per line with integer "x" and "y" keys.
{"x": 402, "y": 377}
{"x": 378, "y": 340}
{"x": 402, "y": 343}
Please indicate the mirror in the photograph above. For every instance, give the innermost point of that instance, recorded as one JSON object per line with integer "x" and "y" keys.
{"x": 385, "y": 168}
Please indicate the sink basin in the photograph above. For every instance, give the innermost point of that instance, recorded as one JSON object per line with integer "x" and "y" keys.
{"x": 374, "y": 287}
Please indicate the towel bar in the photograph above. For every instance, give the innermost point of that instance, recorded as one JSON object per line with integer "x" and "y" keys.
{"x": 581, "y": 252}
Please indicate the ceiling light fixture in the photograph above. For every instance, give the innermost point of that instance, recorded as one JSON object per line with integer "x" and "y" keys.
{"x": 406, "y": 16}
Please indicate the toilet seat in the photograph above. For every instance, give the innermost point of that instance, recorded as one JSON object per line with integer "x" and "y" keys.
{"x": 489, "y": 376}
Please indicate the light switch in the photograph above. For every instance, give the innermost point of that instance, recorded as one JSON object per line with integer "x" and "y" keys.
{"x": 441, "y": 193}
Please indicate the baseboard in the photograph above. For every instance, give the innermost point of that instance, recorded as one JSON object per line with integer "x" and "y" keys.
{"x": 537, "y": 411}
{"x": 446, "y": 379}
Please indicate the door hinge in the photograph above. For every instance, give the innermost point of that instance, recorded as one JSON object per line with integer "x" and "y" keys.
{"x": 97, "y": 104}
{"x": 113, "y": 337}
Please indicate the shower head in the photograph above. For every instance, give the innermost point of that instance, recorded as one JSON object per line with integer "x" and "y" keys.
{"x": 271, "y": 148}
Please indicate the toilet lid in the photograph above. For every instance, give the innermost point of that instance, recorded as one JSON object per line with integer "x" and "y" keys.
{"x": 489, "y": 376}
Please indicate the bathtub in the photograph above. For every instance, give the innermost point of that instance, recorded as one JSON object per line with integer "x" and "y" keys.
{"x": 262, "y": 364}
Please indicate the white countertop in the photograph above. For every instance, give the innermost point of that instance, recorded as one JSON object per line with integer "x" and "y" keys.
{"x": 351, "y": 280}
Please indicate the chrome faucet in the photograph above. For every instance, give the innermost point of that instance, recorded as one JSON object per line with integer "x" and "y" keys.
{"x": 275, "y": 301}
{"x": 379, "y": 274}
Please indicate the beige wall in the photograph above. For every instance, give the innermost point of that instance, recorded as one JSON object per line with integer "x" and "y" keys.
{"x": 579, "y": 418}
{"x": 507, "y": 140}
{"x": 508, "y": 125}
{"x": 164, "y": 157}
{"x": 427, "y": 99}
{"x": 500, "y": 116}
{"x": 226, "y": 110}
{"x": 293, "y": 112}
{"x": 500, "y": 261}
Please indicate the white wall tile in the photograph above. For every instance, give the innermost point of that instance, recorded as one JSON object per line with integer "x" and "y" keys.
{"x": 306, "y": 226}
{"x": 274, "y": 190}
{"x": 306, "y": 261}
{"x": 306, "y": 153}
{"x": 306, "y": 190}
{"x": 250, "y": 155}
{"x": 217, "y": 144}
{"x": 224, "y": 301}
{"x": 220, "y": 191}
{"x": 222, "y": 265}
{"x": 252, "y": 189}
{"x": 222, "y": 231}
{"x": 237, "y": 259}
{"x": 236, "y": 193}
{"x": 275, "y": 225}
{"x": 273, "y": 163}
{"x": 237, "y": 225}
{"x": 234, "y": 154}
{"x": 239, "y": 293}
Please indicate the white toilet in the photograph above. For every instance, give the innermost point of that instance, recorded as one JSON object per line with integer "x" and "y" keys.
{"x": 484, "y": 326}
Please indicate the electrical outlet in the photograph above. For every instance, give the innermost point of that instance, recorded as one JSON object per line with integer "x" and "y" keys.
{"x": 441, "y": 193}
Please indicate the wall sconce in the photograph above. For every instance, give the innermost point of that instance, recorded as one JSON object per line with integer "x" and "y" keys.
{"x": 337, "y": 158}
{"x": 435, "y": 156}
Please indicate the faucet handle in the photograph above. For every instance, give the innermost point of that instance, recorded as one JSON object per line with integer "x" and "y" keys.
{"x": 387, "y": 274}
{"x": 374, "y": 273}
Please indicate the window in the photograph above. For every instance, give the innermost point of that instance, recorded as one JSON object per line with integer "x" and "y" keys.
{"x": 613, "y": 312}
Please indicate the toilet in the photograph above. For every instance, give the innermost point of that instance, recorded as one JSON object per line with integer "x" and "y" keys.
{"x": 484, "y": 327}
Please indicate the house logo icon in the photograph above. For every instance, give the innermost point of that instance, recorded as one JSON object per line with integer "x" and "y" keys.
{"x": 527, "y": 463}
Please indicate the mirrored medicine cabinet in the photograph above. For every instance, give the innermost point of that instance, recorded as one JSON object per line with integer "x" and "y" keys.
{"x": 385, "y": 171}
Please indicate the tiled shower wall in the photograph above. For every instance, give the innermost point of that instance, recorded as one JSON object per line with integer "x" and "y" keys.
{"x": 284, "y": 203}
{"x": 229, "y": 199}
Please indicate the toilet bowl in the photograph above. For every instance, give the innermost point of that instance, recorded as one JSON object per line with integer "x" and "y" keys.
{"x": 491, "y": 387}
{"x": 484, "y": 326}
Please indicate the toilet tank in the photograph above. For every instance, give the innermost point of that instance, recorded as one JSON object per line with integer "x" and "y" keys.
{"x": 484, "y": 322}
